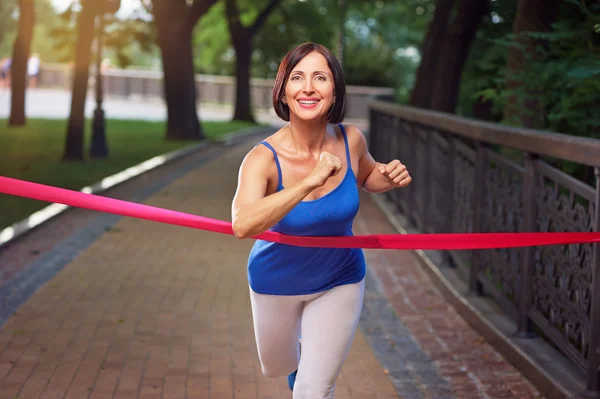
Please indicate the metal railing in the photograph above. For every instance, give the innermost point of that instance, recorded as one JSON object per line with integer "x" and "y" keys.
{"x": 473, "y": 176}
{"x": 210, "y": 88}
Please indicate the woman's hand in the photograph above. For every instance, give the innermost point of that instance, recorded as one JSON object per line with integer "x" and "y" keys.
{"x": 328, "y": 165}
{"x": 395, "y": 172}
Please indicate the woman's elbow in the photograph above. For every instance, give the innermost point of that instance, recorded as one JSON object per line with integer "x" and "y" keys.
{"x": 239, "y": 230}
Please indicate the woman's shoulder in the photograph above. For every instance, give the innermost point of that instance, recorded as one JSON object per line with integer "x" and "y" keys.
{"x": 356, "y": 138}
{"x": 261, "y": 154}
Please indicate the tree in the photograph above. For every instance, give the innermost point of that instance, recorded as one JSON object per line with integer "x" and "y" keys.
{"x": 430, "y": 51}
{"x": 90, "y": 9}
{"x": 455, "y": 50}
{"x": 481, "y": 77}
{"x": 241, "y": 38}
{"x": 175, "y": 21}
{"x": 533, "y": 16}
{"x": 20, "y": 57}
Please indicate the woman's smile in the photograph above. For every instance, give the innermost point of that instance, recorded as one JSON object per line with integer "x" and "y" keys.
{"x": 308, "y": 102}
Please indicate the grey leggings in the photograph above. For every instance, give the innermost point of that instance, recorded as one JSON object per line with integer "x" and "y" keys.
{"x": 327, "y": 321}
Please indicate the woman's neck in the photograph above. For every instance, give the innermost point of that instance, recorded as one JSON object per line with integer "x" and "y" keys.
{"x": 308, "y": 136}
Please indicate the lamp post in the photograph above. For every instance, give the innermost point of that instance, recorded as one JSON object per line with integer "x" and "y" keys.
{"x": 98, "y": 147}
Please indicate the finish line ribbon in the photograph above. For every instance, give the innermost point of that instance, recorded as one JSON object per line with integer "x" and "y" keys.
{"x": 381, "y": 241}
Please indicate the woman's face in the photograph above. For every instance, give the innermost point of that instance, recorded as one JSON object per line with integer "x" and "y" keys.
{"x": 309, "y": 90}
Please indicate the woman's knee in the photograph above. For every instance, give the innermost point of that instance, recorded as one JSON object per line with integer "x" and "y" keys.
{"x": 276, "y": 364}
{"x": 274, "y": 370}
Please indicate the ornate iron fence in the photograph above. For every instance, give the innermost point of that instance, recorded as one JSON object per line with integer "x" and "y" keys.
{"x": 471, "y": 176}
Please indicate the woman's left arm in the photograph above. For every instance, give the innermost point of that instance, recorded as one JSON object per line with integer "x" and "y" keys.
{"x": 373, "y": 176}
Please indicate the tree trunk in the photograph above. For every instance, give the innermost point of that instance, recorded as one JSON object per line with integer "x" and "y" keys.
{"x": 430, "y": 51}
{"x": 83, "y": 54}
{"x": 455, "y": 50}
{"x": 483, "y": 109}
{"x": 241, "y": 38}
{"x": 175, "y": 42}
{"x": 532, "y": 16}
{"x": 243, "y": 59}
{"x": 20, "y": 57}
{"x": 341, "y": 39}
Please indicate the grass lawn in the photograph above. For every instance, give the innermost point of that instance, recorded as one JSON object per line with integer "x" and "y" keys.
{"x": 34, "y": 152}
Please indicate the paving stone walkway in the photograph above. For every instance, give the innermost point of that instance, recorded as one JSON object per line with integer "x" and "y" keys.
{"x": 125, "y": 308}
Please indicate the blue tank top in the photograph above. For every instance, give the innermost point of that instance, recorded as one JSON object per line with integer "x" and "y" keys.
{"x": 281, "y": 269}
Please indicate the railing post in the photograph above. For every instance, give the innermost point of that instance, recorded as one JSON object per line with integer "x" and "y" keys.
{"x": 385, "y": 138}
{"x": 449, "y": 204}
{"x": 373, "y": 134}
{"x": 593, "y": 387}
{"x": 393, "y": 195}
{"x": 127, "y": 87}
{"x": 427, "y": 191}
{"x": 478, "y": 214}
{"x": 145, "y": 88}
{"x": 411, "y": 142}
{"x": 528, "y": 259}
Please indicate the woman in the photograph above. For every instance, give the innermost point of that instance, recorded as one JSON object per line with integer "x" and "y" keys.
{"x": 303, "y": 180}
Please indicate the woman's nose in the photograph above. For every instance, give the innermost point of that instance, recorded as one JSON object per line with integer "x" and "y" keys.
{"x": 308, "y": 85}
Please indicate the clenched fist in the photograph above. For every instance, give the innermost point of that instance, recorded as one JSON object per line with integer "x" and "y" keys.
{"x": 328, "y": 165}
{"x": 395, "y": 172}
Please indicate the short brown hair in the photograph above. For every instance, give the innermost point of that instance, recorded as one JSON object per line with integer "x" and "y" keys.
{"x": 291, "y": 59}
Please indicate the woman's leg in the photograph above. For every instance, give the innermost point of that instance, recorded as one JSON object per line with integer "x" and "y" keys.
{"x": 277, "y": 328}
{"x": 328, "y": 325}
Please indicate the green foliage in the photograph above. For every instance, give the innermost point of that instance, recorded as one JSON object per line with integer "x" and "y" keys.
{"x": 564, "y": 75}
{"x": 294, "y": 23}
{"x": 376, "y": 34}
{"x": 382, "y": 41}
{"x": 124, "y": 39}
{"x": 63, "y": 34}
{"x": 211, "y": 37}
{"x": 8, "y": 24}
{"x": 129, "y": 39}
{"x": 45, "y": 18}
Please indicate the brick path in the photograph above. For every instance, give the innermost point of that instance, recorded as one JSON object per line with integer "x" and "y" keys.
{"x": 155, "y": 311}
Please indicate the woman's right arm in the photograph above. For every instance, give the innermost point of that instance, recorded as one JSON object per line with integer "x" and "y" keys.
{"x": 252, "y": 212}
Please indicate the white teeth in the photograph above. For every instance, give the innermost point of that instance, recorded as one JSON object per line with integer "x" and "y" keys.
{"x": 308, "y": 102}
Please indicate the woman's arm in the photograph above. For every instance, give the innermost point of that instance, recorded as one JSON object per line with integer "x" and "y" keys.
{"x": 373, "y": 176}
{"x": 252, "y": 212}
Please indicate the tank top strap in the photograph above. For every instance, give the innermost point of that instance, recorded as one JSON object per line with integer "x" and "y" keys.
{"x": 279, "y": 179}
{"x": 346, "y": 144}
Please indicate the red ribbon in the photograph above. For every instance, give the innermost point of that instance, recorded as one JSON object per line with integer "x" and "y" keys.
{"x": 382, "y": 241}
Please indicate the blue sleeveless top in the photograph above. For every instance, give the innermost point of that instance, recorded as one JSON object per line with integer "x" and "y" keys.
{"x": 281, "y": 269}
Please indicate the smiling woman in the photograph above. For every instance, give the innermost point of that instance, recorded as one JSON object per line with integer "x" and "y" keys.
{"x": 303, "y": 180}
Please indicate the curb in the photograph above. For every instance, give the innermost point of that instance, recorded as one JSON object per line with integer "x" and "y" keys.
{"x": 36, "y": 219}
{"x": 552, "y": 382}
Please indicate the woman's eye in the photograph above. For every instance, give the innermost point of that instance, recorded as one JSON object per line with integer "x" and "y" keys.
{"x": 321, "y": 78}
{"x": 296, "y": 77}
